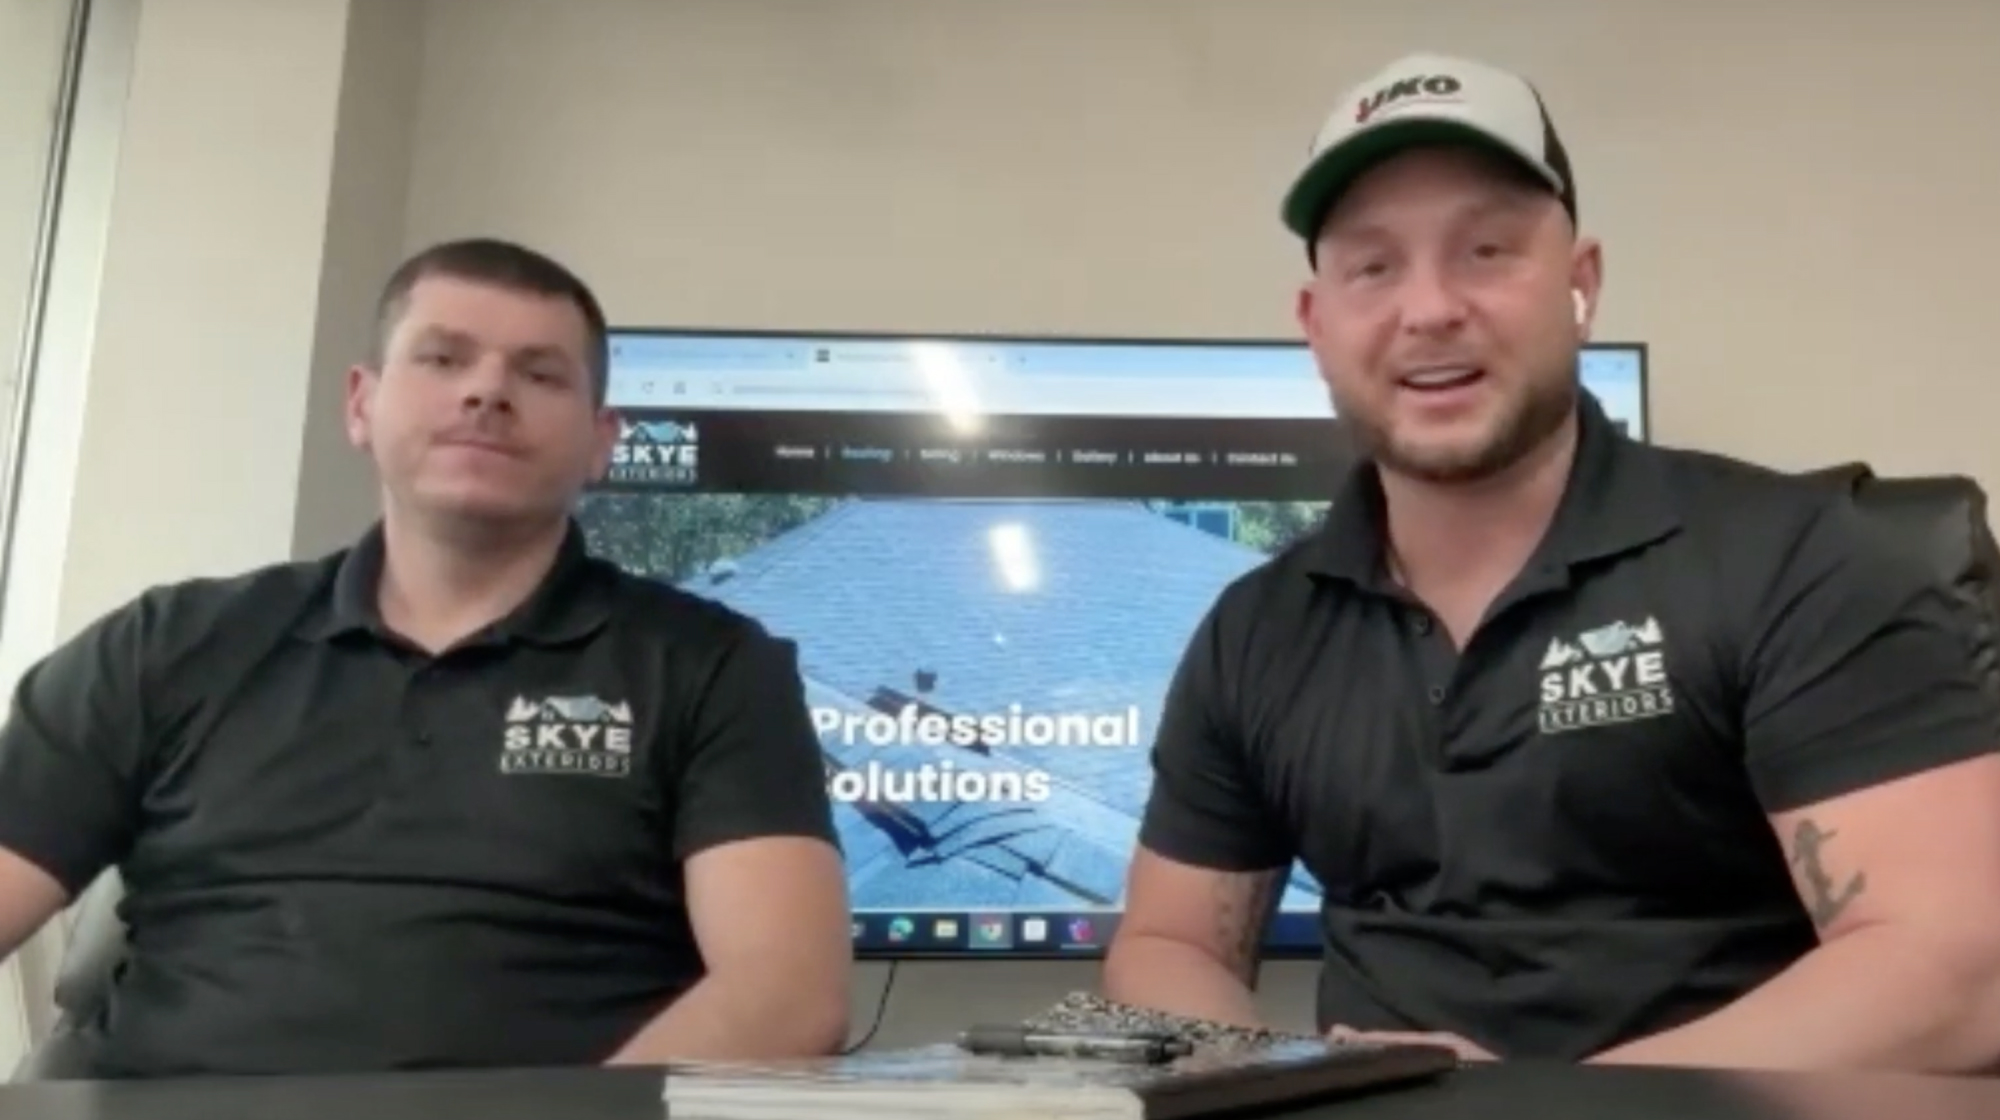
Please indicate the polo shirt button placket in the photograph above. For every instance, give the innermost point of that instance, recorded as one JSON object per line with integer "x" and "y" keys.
{"x": 417, "y": 717}
{"x": 1425, "y": 627}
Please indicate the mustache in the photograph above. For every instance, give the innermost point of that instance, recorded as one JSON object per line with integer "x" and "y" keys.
{"x": 478, "y": 435}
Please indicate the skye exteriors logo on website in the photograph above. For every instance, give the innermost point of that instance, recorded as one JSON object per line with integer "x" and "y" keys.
{"x": 659, "y": 452}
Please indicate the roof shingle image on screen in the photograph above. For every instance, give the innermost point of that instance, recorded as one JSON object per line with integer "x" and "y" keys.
{"x": 990, "y": 554}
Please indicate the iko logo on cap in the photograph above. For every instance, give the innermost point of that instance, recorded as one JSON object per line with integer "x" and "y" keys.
{"x": 1433, "y": 87}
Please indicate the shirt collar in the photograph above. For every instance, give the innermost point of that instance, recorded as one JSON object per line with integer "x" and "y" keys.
{"x": 571, "y": 603}
{"x": 1616, "y": 500}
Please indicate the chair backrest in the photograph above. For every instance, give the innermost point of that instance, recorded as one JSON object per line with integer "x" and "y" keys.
{"x": 1943, "y": 518}
{"x": 95, "y": 947}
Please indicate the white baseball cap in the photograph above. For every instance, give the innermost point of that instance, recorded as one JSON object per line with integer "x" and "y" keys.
{"x": 1424, "y": 99}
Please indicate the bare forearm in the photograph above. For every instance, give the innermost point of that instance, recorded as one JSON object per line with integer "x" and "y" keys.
{"x": 1875, "y": 998}
{"x": 742, "y": 1018}
{"x": 1178, "y": 978}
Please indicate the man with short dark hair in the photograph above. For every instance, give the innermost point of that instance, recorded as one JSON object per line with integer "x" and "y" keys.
{"x": 461, "y": 795}
{"x": 1599, "y": 750}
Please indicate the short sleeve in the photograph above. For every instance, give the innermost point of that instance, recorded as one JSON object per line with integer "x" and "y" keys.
{"x": 753, "y": 765}
{"x": 71, "y": 750}
{"x": 1204, "y": 808}
{"x": 1860, "y": 669}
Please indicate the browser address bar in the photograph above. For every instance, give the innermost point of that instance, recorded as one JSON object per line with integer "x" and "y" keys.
{"x": 824, "y": 389}
{"x": 981, "y": 393}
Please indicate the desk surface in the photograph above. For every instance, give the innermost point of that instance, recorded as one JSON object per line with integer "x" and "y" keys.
{"x": 1543, "y": 1092}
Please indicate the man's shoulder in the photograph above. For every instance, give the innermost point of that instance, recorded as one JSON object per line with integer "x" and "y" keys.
{"x": 1278, "y": 589}
{"x": 196, "y": 606}
{"x": 1767, "y": 537}
{"x": 673, "y": 616}
{"x": 1743, "y": 508}
{"x": 1714, "y": 473}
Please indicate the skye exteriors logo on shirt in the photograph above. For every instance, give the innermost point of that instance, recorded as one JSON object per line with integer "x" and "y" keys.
{"x": 1612, "y": 674}
{"x": 567, "y": 735}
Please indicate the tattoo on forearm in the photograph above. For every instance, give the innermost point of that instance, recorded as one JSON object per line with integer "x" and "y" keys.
{"x": 1241, "y": 904}
{"x": 1824, "y": 900}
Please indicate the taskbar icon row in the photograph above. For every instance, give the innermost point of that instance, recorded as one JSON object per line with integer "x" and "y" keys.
{"x": 995, "y": 931}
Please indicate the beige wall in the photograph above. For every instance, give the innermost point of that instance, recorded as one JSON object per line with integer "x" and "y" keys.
{"x": 1795, "y": 196}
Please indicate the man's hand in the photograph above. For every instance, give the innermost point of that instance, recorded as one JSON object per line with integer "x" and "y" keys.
{"x": 1466, "y": 1050}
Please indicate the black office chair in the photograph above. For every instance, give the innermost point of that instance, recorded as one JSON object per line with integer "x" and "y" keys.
{"x": 1943, "y": 518}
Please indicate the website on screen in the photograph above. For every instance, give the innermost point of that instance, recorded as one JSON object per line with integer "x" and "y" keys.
{"x": 990, "y": 556}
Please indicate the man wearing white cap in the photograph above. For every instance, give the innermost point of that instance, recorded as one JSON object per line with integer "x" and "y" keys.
{"x": 1600, "y": 750}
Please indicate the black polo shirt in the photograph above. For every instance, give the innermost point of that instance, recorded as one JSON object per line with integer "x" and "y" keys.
{"x": 1557, "y": 839}
{"x": 344, "y": 854}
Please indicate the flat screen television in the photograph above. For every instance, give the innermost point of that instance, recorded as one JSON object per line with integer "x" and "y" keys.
{"x": 990, "y": 553}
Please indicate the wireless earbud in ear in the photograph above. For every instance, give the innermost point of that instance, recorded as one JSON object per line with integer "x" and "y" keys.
{"x": 1582, "y": 306}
